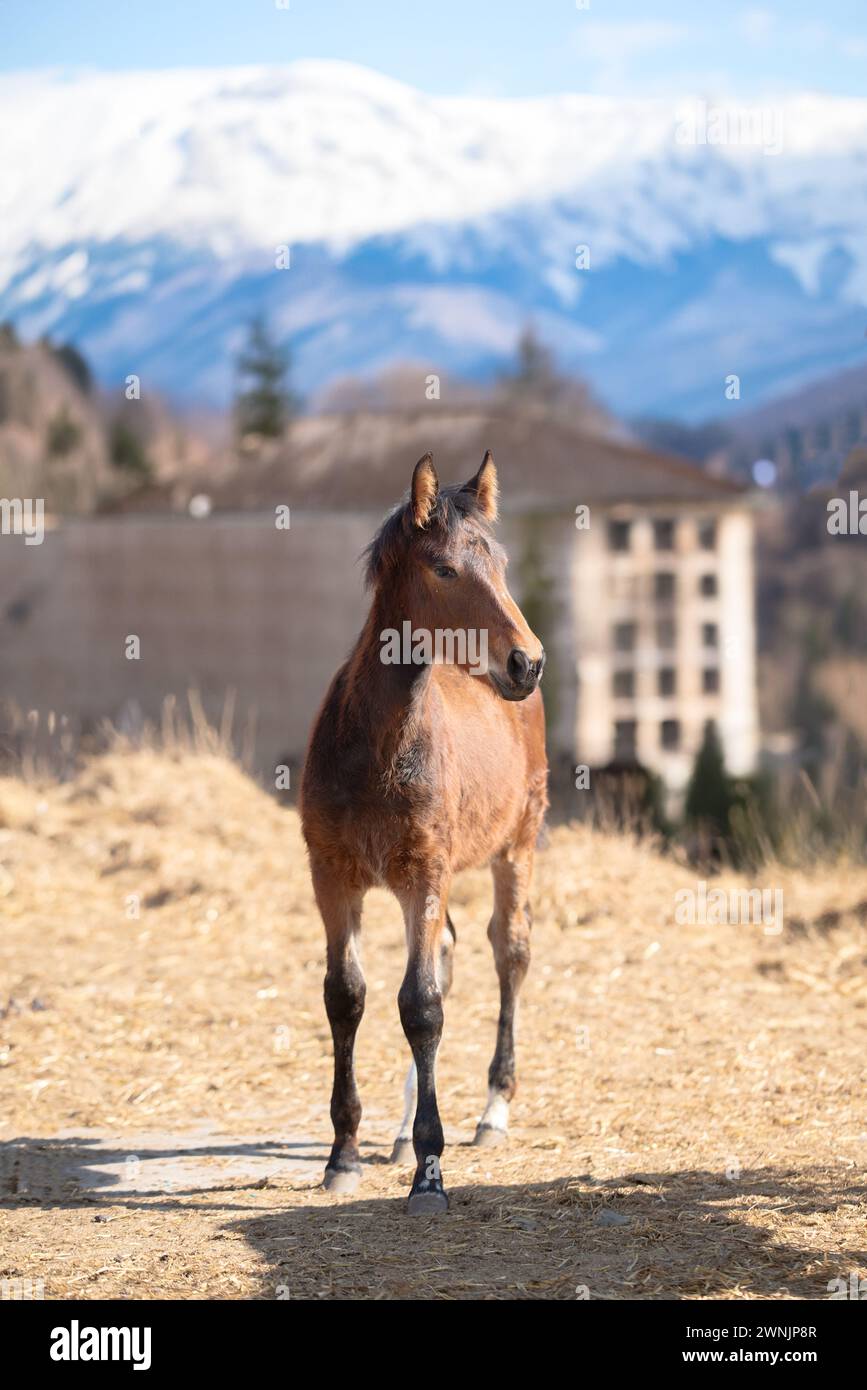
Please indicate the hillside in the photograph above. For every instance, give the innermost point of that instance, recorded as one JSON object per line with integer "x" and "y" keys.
{"x": 689, "y": 1121}
{"x": 77, "y": 447}
{"x": 807, "y": 433}
{"x": 147, "y": 209}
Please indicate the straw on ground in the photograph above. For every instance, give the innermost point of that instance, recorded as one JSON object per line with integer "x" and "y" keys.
{"x": 690, "y": 1115}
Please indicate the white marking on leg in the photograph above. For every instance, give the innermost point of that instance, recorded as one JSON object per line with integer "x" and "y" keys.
{"x": 496, "y": 1114}
{"x": 497, "y": 1109}
{"x": 410, "y": 1089}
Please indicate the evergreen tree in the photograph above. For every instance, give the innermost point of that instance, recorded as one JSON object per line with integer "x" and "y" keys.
{"x": 534, "y": 375}
{"x": 127, "y": 451}
{"x": 710, "y": 795}
{"x": 535, "y": 382}
{"x": 264, "y": 404}
{"x": 64, "y": 434}
{"x": 76, "y": 365}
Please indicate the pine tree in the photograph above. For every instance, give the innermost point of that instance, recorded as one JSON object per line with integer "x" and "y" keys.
{"x": 127, "y": 450}
{"x": 710, "y": 795}
{"x": 76, "y": 365}
{"x": 264, "y": 404}
{"x": 64, "y": 434}
{"x": 534, "y": 374}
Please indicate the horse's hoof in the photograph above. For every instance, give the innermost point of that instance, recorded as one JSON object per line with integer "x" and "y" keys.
{"x": 432, "y": 1203}
{"x": 341, "y": 1180}
{"x": 488, "y": 1138}
{"x": 403, "y": 1152}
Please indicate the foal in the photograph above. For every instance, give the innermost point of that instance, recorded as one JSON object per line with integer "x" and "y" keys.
{"x": 420, "y": 766}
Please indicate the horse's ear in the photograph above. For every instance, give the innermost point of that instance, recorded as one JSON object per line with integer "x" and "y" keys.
{"x": 423, "y": 494}
{"x": 485, "y": 488}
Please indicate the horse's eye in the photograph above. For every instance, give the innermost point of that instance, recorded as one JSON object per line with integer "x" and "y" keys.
{"x": 445, "y": 572}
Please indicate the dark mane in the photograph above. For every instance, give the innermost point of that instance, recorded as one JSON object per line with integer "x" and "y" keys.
{"x": 452, "y": 507}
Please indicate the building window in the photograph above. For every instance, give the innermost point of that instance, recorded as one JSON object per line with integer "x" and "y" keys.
{"x": 625, "y": 741}
{"x": 663, "y": 535}
{"x": 619, "y": 535}
{"x": 666, "y": 679}
{"x": 624, "y": 637}
{"x": 707, "y": 585}
{"x": 710, "y": 680}
{"x": 707, "y": 535}
{"x": 669, "y": 734}
{"x": 624, "y": 684}
{"x": 663, "y": 586}
{"x": 666, "y": 634}
{"x": 709, "y": 635}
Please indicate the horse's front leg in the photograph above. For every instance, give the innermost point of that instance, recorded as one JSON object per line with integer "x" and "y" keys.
{"x": 403, "y": 1151}
{"x": 509, "y": 934}
{"x": 344, "y": 1004}
{"x": 420, "y": 1001}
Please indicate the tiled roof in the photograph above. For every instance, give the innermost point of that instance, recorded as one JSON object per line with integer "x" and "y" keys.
{"x": 364, "y": 462}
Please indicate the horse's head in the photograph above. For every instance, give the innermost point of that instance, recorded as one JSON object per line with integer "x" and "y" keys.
{"x": 436, "y": 559}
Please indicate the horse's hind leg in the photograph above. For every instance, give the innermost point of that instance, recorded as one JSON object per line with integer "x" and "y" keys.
{"x": 421, "y": 1012}
{"x": 509, "y": 934}
{"x": 344, "y": 1003}
{"x": 403, "y": 1151}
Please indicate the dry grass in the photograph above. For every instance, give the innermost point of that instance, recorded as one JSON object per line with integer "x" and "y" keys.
{"x": 705, "y": 1083}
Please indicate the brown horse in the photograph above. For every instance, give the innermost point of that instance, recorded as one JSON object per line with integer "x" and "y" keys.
{"x": 427, "y": 757}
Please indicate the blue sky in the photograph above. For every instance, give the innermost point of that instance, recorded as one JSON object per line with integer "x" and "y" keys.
{"x": 484, "y": 47}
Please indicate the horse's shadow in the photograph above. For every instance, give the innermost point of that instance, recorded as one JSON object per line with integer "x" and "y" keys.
{"x": 642, "y": 1235}
{"x": 66, "y": 1171}
{"x": 646, "y": 1236}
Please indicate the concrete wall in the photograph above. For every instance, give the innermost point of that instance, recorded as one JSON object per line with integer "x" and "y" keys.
{"x": 222, "y": 604}
{"x": 234, "y": 604}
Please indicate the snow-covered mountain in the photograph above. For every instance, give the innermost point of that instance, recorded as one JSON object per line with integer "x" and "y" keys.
{"x": 141, "y": 215}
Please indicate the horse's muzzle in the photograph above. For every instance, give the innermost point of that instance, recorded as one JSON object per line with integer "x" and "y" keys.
{"x": 522, "y": 675}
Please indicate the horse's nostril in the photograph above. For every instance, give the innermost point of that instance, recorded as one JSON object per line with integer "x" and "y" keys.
{"x": 518, "y": 665}
{"x": 540, "y": 664}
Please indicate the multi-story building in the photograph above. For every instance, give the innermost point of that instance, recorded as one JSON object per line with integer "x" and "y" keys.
{"x": 664, "y": 633}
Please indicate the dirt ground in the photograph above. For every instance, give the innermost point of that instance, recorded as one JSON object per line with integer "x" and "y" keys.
{"x": 690, "y": 1121}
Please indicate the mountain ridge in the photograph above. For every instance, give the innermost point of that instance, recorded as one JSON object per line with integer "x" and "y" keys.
{"x": 143, "y": 214}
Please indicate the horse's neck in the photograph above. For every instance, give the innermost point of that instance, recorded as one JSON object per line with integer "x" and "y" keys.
{"x": 386, "y": 698}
